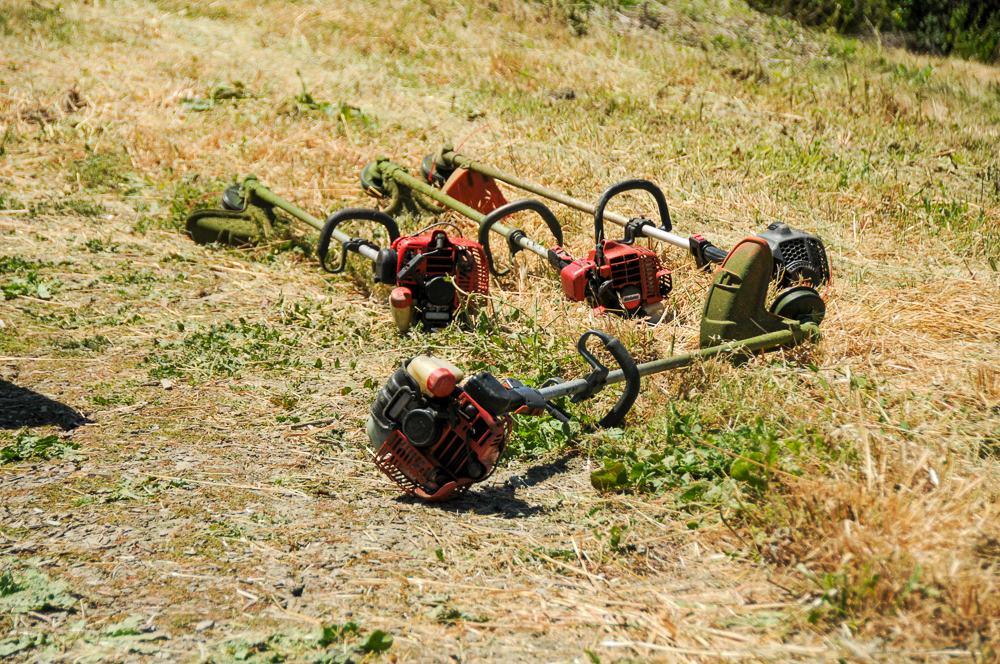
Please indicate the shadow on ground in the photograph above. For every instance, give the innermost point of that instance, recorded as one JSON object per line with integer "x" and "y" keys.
{"x": 21, "y": 407}
{"x": 499, "y": 500}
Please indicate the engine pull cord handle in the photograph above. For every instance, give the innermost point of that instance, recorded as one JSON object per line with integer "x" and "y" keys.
{"x": 504, "y": 211}
{"x": 329, "y": 231}
{"x": 622, "y": 187}
{"x": 596, "y": 378}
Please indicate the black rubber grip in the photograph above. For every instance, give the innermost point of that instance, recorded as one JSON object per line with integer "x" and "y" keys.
{"x": 351, "y": 214}
{"x": 504, "y": 211}
{"x": 622, "y": 187}
{"x": 490, "y": 394}
{"x": 714, "y": 254}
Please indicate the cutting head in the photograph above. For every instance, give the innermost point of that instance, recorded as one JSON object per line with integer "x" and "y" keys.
{"x": 242, "y": 219}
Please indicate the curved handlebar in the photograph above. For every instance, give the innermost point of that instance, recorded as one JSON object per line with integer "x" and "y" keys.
{"x": 351, "y": 214}
{"x": 596, "y": 378}
{"x": 622, "y": 187}
{"x": 527, "y": 204}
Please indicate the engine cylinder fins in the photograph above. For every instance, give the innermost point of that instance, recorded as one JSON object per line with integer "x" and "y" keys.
{"x": 626, "y": 280}
{"x": 431, "y": 451}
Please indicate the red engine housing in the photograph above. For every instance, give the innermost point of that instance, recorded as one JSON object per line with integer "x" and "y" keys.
{"x": 438, "y": 472}
{"x": 617, "y": 277}
{"x": 435, "y": 256}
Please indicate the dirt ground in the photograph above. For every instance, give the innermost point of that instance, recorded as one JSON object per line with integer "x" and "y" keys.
{"x": 213, "y": 525}
{"x": 185, "y": 476}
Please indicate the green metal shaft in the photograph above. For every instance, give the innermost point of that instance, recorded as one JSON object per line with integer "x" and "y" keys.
{"x": 795, "y": 334}
{"x": 250, "y": 184}
{"x": 452, "y": 159}
{"x": 390, "y": 171}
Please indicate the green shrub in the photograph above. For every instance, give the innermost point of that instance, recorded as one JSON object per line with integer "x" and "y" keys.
{"x": 33, "y": 19}
{"x": 965, "y": 28}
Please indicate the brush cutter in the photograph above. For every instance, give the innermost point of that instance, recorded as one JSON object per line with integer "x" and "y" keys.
{"x": 798, "y": 257}
{"x": 383, "y": 178}
{"x": 616, "y": 277}
{"x": 433, "y": 273}
{"x": 435, "y": 437}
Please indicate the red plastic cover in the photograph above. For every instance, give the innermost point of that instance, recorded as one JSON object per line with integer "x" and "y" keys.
{"x": 574, "y": 279}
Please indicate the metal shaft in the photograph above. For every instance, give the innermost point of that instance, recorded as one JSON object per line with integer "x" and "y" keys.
{"x": 270, "y": 197}
{"x": 794, "y": 335}
{"x": 454, "y": 160}
{"x": 388, "y": 170}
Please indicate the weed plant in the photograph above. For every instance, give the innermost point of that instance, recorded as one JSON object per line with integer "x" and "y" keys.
{"x": 24, "y": 446}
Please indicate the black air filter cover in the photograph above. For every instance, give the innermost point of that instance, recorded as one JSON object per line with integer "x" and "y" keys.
{"x": 440, "y": 292}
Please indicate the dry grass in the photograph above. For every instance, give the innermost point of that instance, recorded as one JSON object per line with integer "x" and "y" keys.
{"x": 880, "y": 543}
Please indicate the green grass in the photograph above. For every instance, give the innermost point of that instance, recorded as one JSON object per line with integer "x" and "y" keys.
{"x": 702, "y": 468}
{"x": 83, "y": 208}
{"x": 743, "y": 119}
{"x": 8, "y": 202}
{"x": 48, "y": 22}
{"x": 112, "y": 399}
{"x": 194, "y": 10}
{"x": 23, "y": 446}
{"x": 97, "y": 343}
{"x": 964, "y": 28}
{"x": 226, "y": 349}
{"x": 106, "y": 171}
{"x": 22, "y": 278}
{"x": 345, "y": 114}
{"x": 18, "y": 265}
